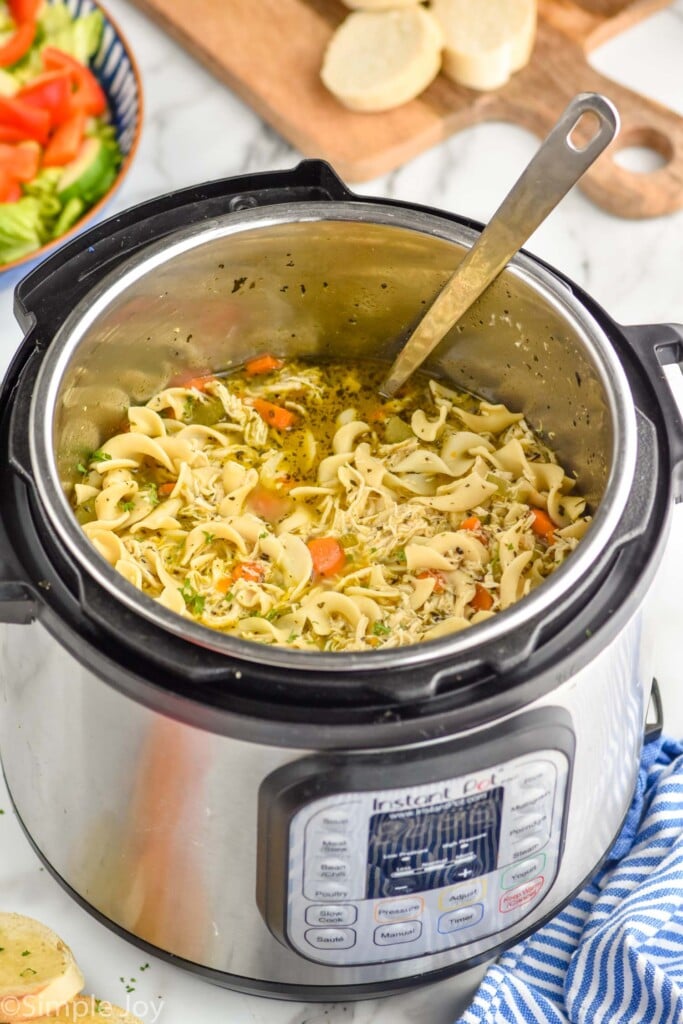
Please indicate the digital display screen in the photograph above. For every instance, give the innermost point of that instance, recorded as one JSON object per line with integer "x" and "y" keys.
{"x": 413, "y": 849}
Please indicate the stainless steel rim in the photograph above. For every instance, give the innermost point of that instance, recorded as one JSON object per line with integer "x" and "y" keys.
{"x": 549, "y": 288}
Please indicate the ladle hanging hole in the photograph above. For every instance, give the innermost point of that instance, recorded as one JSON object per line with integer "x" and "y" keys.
{"x": 585, "y": 131}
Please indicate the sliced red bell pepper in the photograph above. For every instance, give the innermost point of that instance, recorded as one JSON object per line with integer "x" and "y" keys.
{"x": 18, "y": 114}
{"x": 10, "y": 189}
{"x": 24, "y": 10}
{"x": 9, "y": 134}
{"x": 51, "y": 92}
{"x": 21, "y": 161}
{"x": 87, "y": 91}
{"x": 17, "y": 45}
{"x": 64, "y": 145}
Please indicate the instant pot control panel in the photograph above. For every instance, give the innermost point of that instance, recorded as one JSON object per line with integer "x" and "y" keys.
{"x": 373, "y": 858}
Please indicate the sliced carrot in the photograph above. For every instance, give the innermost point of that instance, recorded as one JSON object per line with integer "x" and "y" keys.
{"x": 267, "y": 504}
{"x": 433, "y": 574}
{"x": 199, "y": 383}
{"x": 327, "y": 554}
{"x": 377, "y": 415}
{"x": 253, "y": 572}
{"x": 165, "y": 489}
{"x": 263, "y": 364}
{"x": 223, "y": 584}
{"x": 482, "y": 600}
{"x": 274, "y": 415}
{"x": 286, "y": 482}
{"x": 471, "y": 523}
{"x": 542, "y": 525}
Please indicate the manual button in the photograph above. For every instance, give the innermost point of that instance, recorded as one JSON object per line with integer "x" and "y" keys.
{"x": 391, "y": 934}
{"x": 331, "y": 938}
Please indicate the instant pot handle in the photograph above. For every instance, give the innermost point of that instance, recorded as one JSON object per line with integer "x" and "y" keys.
{"x": 656, "y": 346}
{"x": 50, "y": 292}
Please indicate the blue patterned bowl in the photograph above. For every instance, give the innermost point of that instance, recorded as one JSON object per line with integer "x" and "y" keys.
{"x": 115, "y": 69}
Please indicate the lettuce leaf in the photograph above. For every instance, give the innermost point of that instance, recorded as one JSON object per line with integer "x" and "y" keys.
{"x": 21, "y": 228}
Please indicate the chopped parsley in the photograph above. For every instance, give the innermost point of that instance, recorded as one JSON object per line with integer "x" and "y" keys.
{"x": 400, "y": 555}
{"x": 262, "y": 535}
{"x": 81, "y": 468}
{"x": 379, "y": 629}
{"x": 188, "y": 408}
{"x": 28, "y": 972}
{"x": 99, "y": 456}
{"x": 194, "y": 601}
{"x": 292, "y": 637}
{"x": 209, "y": 538}
{"x": 127, "y": 506}
{"x": 27, "y": 952}
{"x": 272, "y": 614}
{"x": 153, "y": 494}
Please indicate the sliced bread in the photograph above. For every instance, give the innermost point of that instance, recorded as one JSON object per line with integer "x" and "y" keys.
{"x": 485, "y": 40}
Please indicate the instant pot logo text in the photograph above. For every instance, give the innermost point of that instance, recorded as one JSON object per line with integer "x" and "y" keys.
{"x": 481, "y": 783}
{"x": 401, "y": 803}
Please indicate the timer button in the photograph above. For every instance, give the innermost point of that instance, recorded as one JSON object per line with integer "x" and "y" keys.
{"x": 455, "y": 920}
{"x": 329, "y": 914}
{"x": 392, "y": 934}
{"x": 331, "y": 938}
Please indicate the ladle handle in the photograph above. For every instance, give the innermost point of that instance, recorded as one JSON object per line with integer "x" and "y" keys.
{"x": 562, "y": 159}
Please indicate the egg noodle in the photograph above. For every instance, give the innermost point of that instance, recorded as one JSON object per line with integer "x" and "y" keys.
{"x": 286, "y": 503}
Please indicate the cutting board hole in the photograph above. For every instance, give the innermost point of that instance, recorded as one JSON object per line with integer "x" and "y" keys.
{"x": 584, "y": 131}
{"x": 643, "y": 151}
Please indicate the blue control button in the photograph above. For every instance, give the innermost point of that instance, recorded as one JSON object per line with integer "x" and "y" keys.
{"x": 391, "y": 934}
{"x": 465, "y": 917}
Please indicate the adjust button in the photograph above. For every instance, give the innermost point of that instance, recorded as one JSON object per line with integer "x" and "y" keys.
{"x": 461, "y": 895}
{"x": 331, "y": 938}
{"x": 331, "y": 914}
{"x": 391, "y": 934}
{"x": 466, "y": 917}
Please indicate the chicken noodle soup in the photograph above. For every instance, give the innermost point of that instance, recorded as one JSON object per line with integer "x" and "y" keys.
{"x": 286, "y": 503}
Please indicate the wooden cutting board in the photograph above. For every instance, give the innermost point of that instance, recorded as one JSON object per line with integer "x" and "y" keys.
{"x": 270, "y": 52}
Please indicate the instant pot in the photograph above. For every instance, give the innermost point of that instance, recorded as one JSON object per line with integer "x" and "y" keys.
{"x": 314, "y": 825}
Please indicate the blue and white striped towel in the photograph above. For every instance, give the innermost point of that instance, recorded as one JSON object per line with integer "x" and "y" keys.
{"x": 615, "y": 954}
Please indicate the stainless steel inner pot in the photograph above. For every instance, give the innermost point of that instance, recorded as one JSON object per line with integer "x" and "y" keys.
{"x": 331, "y": 280}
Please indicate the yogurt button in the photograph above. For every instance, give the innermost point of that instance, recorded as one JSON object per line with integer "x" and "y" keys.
{"x": 522, "y": 872}
{"x": 391, "y": 934}
{"x": 331, "y": 938}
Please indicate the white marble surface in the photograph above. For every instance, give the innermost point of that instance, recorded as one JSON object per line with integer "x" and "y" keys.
{"x": 195, "y": 129}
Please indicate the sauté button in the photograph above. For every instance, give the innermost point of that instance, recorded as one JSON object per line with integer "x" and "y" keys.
{"x": 466, "y": 917}
{"x": 522, "y": 872}
{"x": 331, "y": 914}
{"x": 331, "y": 938}
{"x": 399, "y": 909}
{"x": 392, "y": 934}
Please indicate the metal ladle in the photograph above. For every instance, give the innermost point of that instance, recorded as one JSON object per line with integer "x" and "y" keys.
{"x": 556, "y": 167}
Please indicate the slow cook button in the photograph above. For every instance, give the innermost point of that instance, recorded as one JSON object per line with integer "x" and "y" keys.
{"x": 400, "y": 909}
{"x": 326, "y": 892}
{"x": 466, "y": 917}
{"x": 461, "y": 895}
{"x": 522, "y": 872}
{"x": 391, "y": 934}
{"x": 331, "y": 938}
{"x": 513, "y": 899}
{"x": 330, "y": 914}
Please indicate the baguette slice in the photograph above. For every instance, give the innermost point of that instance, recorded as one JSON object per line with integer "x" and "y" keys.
{"x": 379, "y": 5}
{"x": 377, "y": 60}
{"x": 38, "y": 973}
{"x": 486, "y": 40}
{"x": 88, "y": 1010}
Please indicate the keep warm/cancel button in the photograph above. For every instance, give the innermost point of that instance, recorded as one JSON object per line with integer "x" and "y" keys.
{"x": 390, "y": 934}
